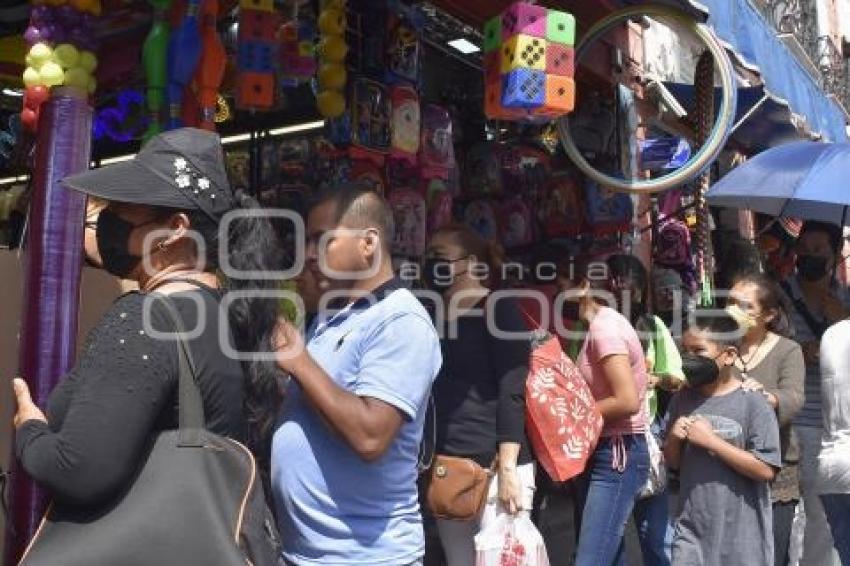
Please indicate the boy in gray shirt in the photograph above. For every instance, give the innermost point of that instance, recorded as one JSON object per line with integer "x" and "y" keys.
{"x": 724, "y": 442}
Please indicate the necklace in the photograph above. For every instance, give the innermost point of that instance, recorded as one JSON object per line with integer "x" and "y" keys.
{"x": 746, "y": 363}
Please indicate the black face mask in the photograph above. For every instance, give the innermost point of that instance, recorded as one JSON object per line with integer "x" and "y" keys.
{"x": 113, "y": 240}
{"x": 699, "y": 370}
{"x": 438, "y": 274}
{"x": 811, "y": 267}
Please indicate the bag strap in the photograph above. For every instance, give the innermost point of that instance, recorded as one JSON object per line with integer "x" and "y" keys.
{"x": 818, "y": 327}
{"x": 429, "y": 436}
{"x": 190, "y": 405}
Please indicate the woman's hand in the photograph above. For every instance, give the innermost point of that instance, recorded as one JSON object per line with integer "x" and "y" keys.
{"x": 510, "y": 491}
{"x": 27, "y": 410}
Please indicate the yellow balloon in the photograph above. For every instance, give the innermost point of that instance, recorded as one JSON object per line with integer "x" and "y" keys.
{"x": 77, "y": 77}
{"x": 51, "y": 74}
{"x": 332, "y": 76}
{"x": 331, "y": 104}
{"x": 92, "y": 86}
{"x": 332, "y": 22}
{"x": 28, "y": 60}
{"x": 333, "y": 5}
{"x": 40, "y": 54}
{"x": 333, "y": 48}
{"x": 31, "y": 77}
{"x": 66, "y": 55}
{"x": 88, "y": 61}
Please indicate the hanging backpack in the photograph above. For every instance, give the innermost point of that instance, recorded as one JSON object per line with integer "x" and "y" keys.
{"x": 406, "y": 123}
{"x": 483, "y": 170}
{"x": 436, "y": 150}
{"x": 515, "y": 223}
{"x": 404, "y": 43}
{"x": 411, "y": 222}
{"x": 480, "y": 216}
{"x": 607, "y": 211}
{"x": 371, "y": 113}
{"x": 440, "y": 205}
{"x": 562, "y": 212}
{"x": 367, "y": 174}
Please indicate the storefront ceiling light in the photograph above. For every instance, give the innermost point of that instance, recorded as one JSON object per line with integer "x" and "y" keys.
{"x": 17, "y": 93}
{"x": 464, "y": 46}
{"x": 11, "y": 180}
{"x": 229, "y": 140}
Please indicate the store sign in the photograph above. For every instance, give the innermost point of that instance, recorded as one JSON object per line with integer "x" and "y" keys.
{"x": 658, "y": 154}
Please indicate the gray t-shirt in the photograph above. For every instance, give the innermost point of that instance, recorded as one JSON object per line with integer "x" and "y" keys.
{"x": 724, "y": 518}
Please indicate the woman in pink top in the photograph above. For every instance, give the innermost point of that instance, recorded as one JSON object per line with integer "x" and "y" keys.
{"x": 613, "y": 363}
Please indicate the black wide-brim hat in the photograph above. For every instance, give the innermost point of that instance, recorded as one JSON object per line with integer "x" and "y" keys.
{"x": 182, "y": 169}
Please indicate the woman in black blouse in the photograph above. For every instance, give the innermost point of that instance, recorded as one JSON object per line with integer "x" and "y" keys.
{"x": 479, "y": 394}
{"x": 160, "y": 228}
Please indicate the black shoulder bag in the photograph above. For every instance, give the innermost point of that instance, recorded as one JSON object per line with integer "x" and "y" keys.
{"x": 818, "y": 327}
{"x": 196, "y": 499}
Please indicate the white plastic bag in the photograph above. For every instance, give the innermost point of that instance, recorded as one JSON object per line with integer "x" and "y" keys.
{"x": 657, "y": 480}
{"x": 510, "y": 541}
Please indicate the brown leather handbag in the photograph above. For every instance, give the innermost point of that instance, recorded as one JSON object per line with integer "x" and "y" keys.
{"x": 457, "y": 488}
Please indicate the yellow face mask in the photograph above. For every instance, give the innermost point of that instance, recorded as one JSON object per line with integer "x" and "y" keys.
{"x": 744, "y": 320}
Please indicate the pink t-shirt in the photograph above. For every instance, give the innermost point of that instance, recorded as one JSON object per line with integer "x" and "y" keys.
{"x": 611, "y": 333}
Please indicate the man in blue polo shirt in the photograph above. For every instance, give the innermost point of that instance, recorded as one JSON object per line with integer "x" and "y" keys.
{"x": 344, "y": 456}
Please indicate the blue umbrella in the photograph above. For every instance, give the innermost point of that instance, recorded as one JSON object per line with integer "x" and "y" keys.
{"x": 805, "y": 180}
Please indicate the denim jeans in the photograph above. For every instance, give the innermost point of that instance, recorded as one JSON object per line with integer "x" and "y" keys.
{"x": 654, "y": 529}
{"x": 606, "y": 497}
{"x": 837, "y": 507}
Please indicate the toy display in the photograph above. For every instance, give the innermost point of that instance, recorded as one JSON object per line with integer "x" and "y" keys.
{"x": 184, "y": 53}
{"x": 211, "y": 66}
{"x": 256, "y": 57}
{"x": 332, "y": 50}
{"x": 529, "y": 62}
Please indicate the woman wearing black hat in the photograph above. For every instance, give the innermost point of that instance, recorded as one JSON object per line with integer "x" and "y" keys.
{"x": 162, "y": 229}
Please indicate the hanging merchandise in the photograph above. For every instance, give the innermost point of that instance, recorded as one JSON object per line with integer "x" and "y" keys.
{"x": 607, "y": 211}
{"x": 256, "y": 54}
{"x": 516, "y": 226}
{"x": 371, "y": 116}
{"x": 366, "y": 173}
{"x": 436, "y": 151}
{"x": 672, "y": 245}
{"x": 210, "y": 71}
{"x": 184, "y": 53}
{"x": 406, "y": 123}
{"x": 403, "y": 42}
{"x": 297, "y": 51}
{"x": 123, "y": 122}
{"x": 562, "y": 212}
{"x": 411, "y": 222}
{"x": 154, "y": 61}
{"x": 369, "y": 52}
{"x": 440, "y": 201}
{"x": 480, "y": 215}
{"x": 529, "y": 63}
{"x": 62, "y": 52}
{"x": 704, "y": 109}
{"x": 332, "y": 51}
{"x": 483, "y": 169}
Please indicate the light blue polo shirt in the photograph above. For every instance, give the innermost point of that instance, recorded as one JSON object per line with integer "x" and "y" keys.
{"x": 333, "y": 507}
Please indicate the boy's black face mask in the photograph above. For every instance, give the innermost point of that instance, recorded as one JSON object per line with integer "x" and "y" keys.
{"x": 699, "y": 370}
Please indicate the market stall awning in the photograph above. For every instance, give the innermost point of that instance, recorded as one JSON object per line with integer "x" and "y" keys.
{"x": 754, "y": 41}
{"x": 763, "y": 120}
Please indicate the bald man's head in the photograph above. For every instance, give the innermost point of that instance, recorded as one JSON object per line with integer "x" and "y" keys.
{"x": 360, "y": 208}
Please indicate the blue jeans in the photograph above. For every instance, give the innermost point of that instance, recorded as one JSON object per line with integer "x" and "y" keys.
{"x": 837, "y": 507}
{"x": 654, "y": 529}
{"x": 606, "y": 497}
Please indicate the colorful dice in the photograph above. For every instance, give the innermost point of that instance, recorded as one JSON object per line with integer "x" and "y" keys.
{"x": 529, "y": 63}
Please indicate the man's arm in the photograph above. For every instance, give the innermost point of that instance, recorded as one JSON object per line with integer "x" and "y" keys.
{"x": 366, "y": 424}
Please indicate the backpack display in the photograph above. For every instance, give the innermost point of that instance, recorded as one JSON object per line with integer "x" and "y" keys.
{"x": 411, "y": 222}
{"x": 367, "y": 174}
{"x": 440, "y": 205}
{"x": 515, "y": 223}
{"x": 406, "y": 123}
{"x": 480, "y": 216}
{"x": 483, "y": 169}
{"x": 404, "y": 42}
{"x": 370, "y": 120}
{"x": 607, "y": 211}
{"x": 562, "y": 211}
{"x": 436, "y": 150}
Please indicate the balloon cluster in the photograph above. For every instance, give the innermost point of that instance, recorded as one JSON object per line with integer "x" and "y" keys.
{"x": 330, "y": 98}
{"x": 62, "y": 44}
